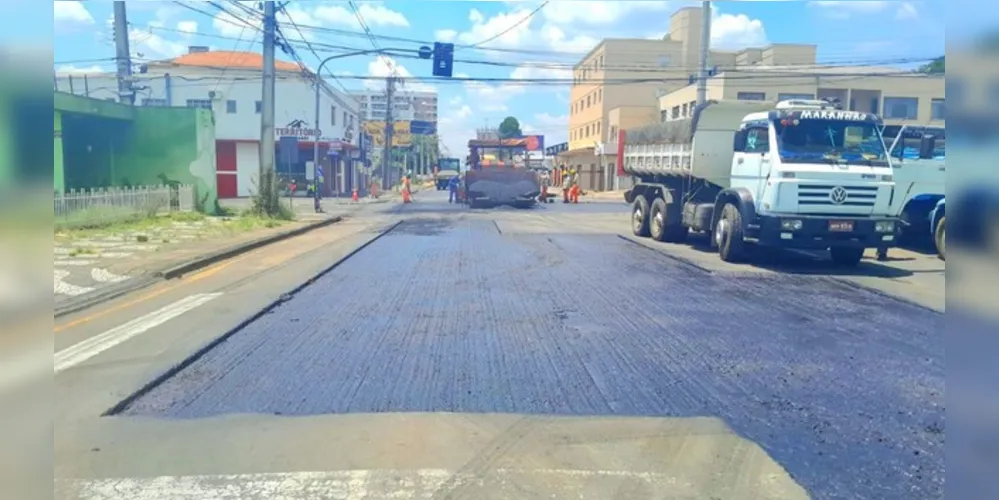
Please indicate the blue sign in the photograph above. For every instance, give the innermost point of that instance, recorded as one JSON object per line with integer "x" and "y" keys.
{"x": 426, "y": 52}
{"x": 443, "y": 59}
{"x": 417, "y": 127}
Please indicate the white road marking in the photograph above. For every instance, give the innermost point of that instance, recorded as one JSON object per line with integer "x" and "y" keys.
{"x": 115, "y": 255}
{"x": 105, "y": 276}
{"x": 76, "y": 354}
{"x": 60, "y": 287}
{"x": 416, "y": 484}
{"x": 72, "y": 262}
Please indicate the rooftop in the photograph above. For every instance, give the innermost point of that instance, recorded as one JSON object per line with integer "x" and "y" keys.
{"x": 228, "y": 59}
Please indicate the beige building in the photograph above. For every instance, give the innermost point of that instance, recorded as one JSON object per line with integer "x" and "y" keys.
{"x": 898, "y": 97}
{"x": 617, "y": 84}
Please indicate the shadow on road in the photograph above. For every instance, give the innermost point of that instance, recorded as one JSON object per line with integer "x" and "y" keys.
{"x": 807, "y": 262}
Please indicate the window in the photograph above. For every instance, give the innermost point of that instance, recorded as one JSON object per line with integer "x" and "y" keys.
{"x": 874, "y": 106}
{"x": 757, "y": 140}
{"x": 751, "y": 96}
{"x": 344, "y": 117}
{"x": 199, "y": 103}
{"x": 663, "y": 116}
{"x": 257, "y": 107}
{"x": 332, "y": 115}
{"x": 676, "y": 112}
{"x": 683, "y": 109}
{"x": 787, "y": 97}
{"x": 937, "y": 109}
{"x": 154, "y": 102}
{"x": 588, "y": 101}
{"x": 600, "y": 95}
{"x": 901, "y": 108}
{"x": 587, "y": 131}
{"x": 230, "y": 107}
{"x": 613, "y": 132}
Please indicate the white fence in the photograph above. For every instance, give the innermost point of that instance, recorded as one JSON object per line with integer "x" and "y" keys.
{"x": 104, "y": 205}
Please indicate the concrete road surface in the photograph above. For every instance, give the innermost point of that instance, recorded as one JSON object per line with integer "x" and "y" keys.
{"x": 502, "y": 354}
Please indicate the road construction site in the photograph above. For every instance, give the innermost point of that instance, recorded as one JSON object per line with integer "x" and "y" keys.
{"x": 430, "y": 350}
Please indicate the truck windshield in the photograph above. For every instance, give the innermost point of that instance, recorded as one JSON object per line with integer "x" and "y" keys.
{"x": 831, "y": 141}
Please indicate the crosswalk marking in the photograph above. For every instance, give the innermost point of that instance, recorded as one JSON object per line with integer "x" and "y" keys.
{"x": 93, "y": 346}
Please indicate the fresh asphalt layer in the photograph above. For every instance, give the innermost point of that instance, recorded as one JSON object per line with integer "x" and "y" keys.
{"x": 459, "y": 311}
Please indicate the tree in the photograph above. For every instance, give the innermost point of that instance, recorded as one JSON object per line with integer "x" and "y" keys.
{"x": 935, "y": 67}
{"x": 509, "y": 128}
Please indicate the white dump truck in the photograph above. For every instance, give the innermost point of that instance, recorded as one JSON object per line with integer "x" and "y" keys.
{"x": 795, "y": 174}
{"x": 918, "y": 163}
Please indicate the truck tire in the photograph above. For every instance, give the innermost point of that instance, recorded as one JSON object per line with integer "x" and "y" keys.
{"x": 729, "y": 235}
{"x": 940, "y": 237}
{"x": 660, "y": 229}
{"x": 846, "y": 256}
{"x": 640, "y": 217}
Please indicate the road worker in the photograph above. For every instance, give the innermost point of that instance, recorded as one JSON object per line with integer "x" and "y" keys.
{"x": 406, "y": 193}
{"x": 452, "y": 186}
{"x": 566, "y": 185}
{"x": 574, "y": 187}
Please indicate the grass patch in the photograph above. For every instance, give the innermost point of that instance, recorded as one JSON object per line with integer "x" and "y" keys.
{"x": 167, "y": 229}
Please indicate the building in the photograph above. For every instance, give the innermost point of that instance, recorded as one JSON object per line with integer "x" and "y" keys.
{"x": 101, "y": 144}
{"x": 229, "y": 84}
{"x": 600, "y": 104}
{"x": 408, "y": 105}
{"x": 660, "y": 78}
{"x": 899, "y": 97}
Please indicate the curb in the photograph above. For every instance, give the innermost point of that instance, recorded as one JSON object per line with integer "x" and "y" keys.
{"x": 175, "y": 271}
{"x": 207, "y": 260}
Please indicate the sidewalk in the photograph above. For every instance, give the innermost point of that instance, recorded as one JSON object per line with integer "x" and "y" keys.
{"x": 603, "y": 196}
{"x": 92, "y": 264}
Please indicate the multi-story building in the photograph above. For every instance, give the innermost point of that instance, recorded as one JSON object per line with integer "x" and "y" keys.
{"x": 659, "y": 79}
{"x": 899, "y": 97}
{"x": 408, "y": 105}
{"x": 229, "y": 84}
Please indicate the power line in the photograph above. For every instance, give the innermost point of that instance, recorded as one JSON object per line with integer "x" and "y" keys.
{"x": 634, "y": 68}
{"x": 314, "y": 53}
{"x": 511, "y": 28}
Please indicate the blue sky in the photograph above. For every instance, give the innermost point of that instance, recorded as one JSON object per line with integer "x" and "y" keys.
{"x": 861, "y": 32}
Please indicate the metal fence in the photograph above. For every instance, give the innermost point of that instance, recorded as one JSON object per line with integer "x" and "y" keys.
{"x": 106, "y": 205}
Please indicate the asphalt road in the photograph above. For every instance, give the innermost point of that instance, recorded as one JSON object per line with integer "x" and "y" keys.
{"x": 509, "y": 354}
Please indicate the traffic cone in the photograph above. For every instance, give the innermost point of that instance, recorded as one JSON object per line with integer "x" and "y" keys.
{"x": 353, "y": 195}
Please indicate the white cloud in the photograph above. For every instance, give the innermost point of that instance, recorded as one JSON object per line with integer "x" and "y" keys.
{"x": 580, "y": 13}
{"x": 736, "y": 31}
{"x": 72, "y": 14}
{"x": 384, "y": 66}
{"x": 374, "y": 15}
{"x": 839, "y": 9}
{"x": 554, "y": 128}
{"x": 538, "y": 72}
{"x": 188, "y": 27}
{"x": 456, "y": 101}
{"x": 445, "y": 35}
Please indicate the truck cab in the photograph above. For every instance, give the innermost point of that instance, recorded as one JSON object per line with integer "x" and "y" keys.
{"x": 917, "y": 155}
{"x": 818, "y": 176}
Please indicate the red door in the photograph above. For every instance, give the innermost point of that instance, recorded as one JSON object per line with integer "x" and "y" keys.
{"x": 225, "y": 169}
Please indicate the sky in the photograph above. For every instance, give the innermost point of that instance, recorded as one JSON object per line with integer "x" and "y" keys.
{"x": 544, "y": 45}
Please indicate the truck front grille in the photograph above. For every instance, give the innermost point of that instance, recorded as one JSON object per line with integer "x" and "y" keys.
{"x": 814, "y": 195}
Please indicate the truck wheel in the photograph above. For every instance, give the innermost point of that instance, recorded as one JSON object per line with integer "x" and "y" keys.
{"x": 940, "y": 237}
{"x": 640, "y": 217}
{"x": 846, "y": 256}
{"x": 729, "y": 235}
{"x": 660, "y": 229}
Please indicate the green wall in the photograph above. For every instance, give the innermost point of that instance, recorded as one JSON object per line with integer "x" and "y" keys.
{"x": 105, "y": 144}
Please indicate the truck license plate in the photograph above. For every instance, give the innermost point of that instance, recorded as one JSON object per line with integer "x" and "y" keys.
{"x": 841, "y": 226}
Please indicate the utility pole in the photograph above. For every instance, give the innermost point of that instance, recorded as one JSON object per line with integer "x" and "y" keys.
{"x": 266, "y": 181}
{"x": 122, "y": 54}
{"x": 389, "y": 129}
{"x": 702, "y": 77}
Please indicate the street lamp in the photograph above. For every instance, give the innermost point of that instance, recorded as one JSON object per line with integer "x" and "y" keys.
{"x": 424, "y": 52}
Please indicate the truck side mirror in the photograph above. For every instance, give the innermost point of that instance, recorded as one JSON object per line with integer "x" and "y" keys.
{"x": 739, "y": 142}
{"x": 926, "y": 147}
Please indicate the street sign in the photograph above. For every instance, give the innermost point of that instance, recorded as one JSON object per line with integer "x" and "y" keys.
{"x": 443, "y": 59}
{"x": 426, "y": 52}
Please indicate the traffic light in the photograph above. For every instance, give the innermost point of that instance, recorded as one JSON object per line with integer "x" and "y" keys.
{"x": 443, "y": 59}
